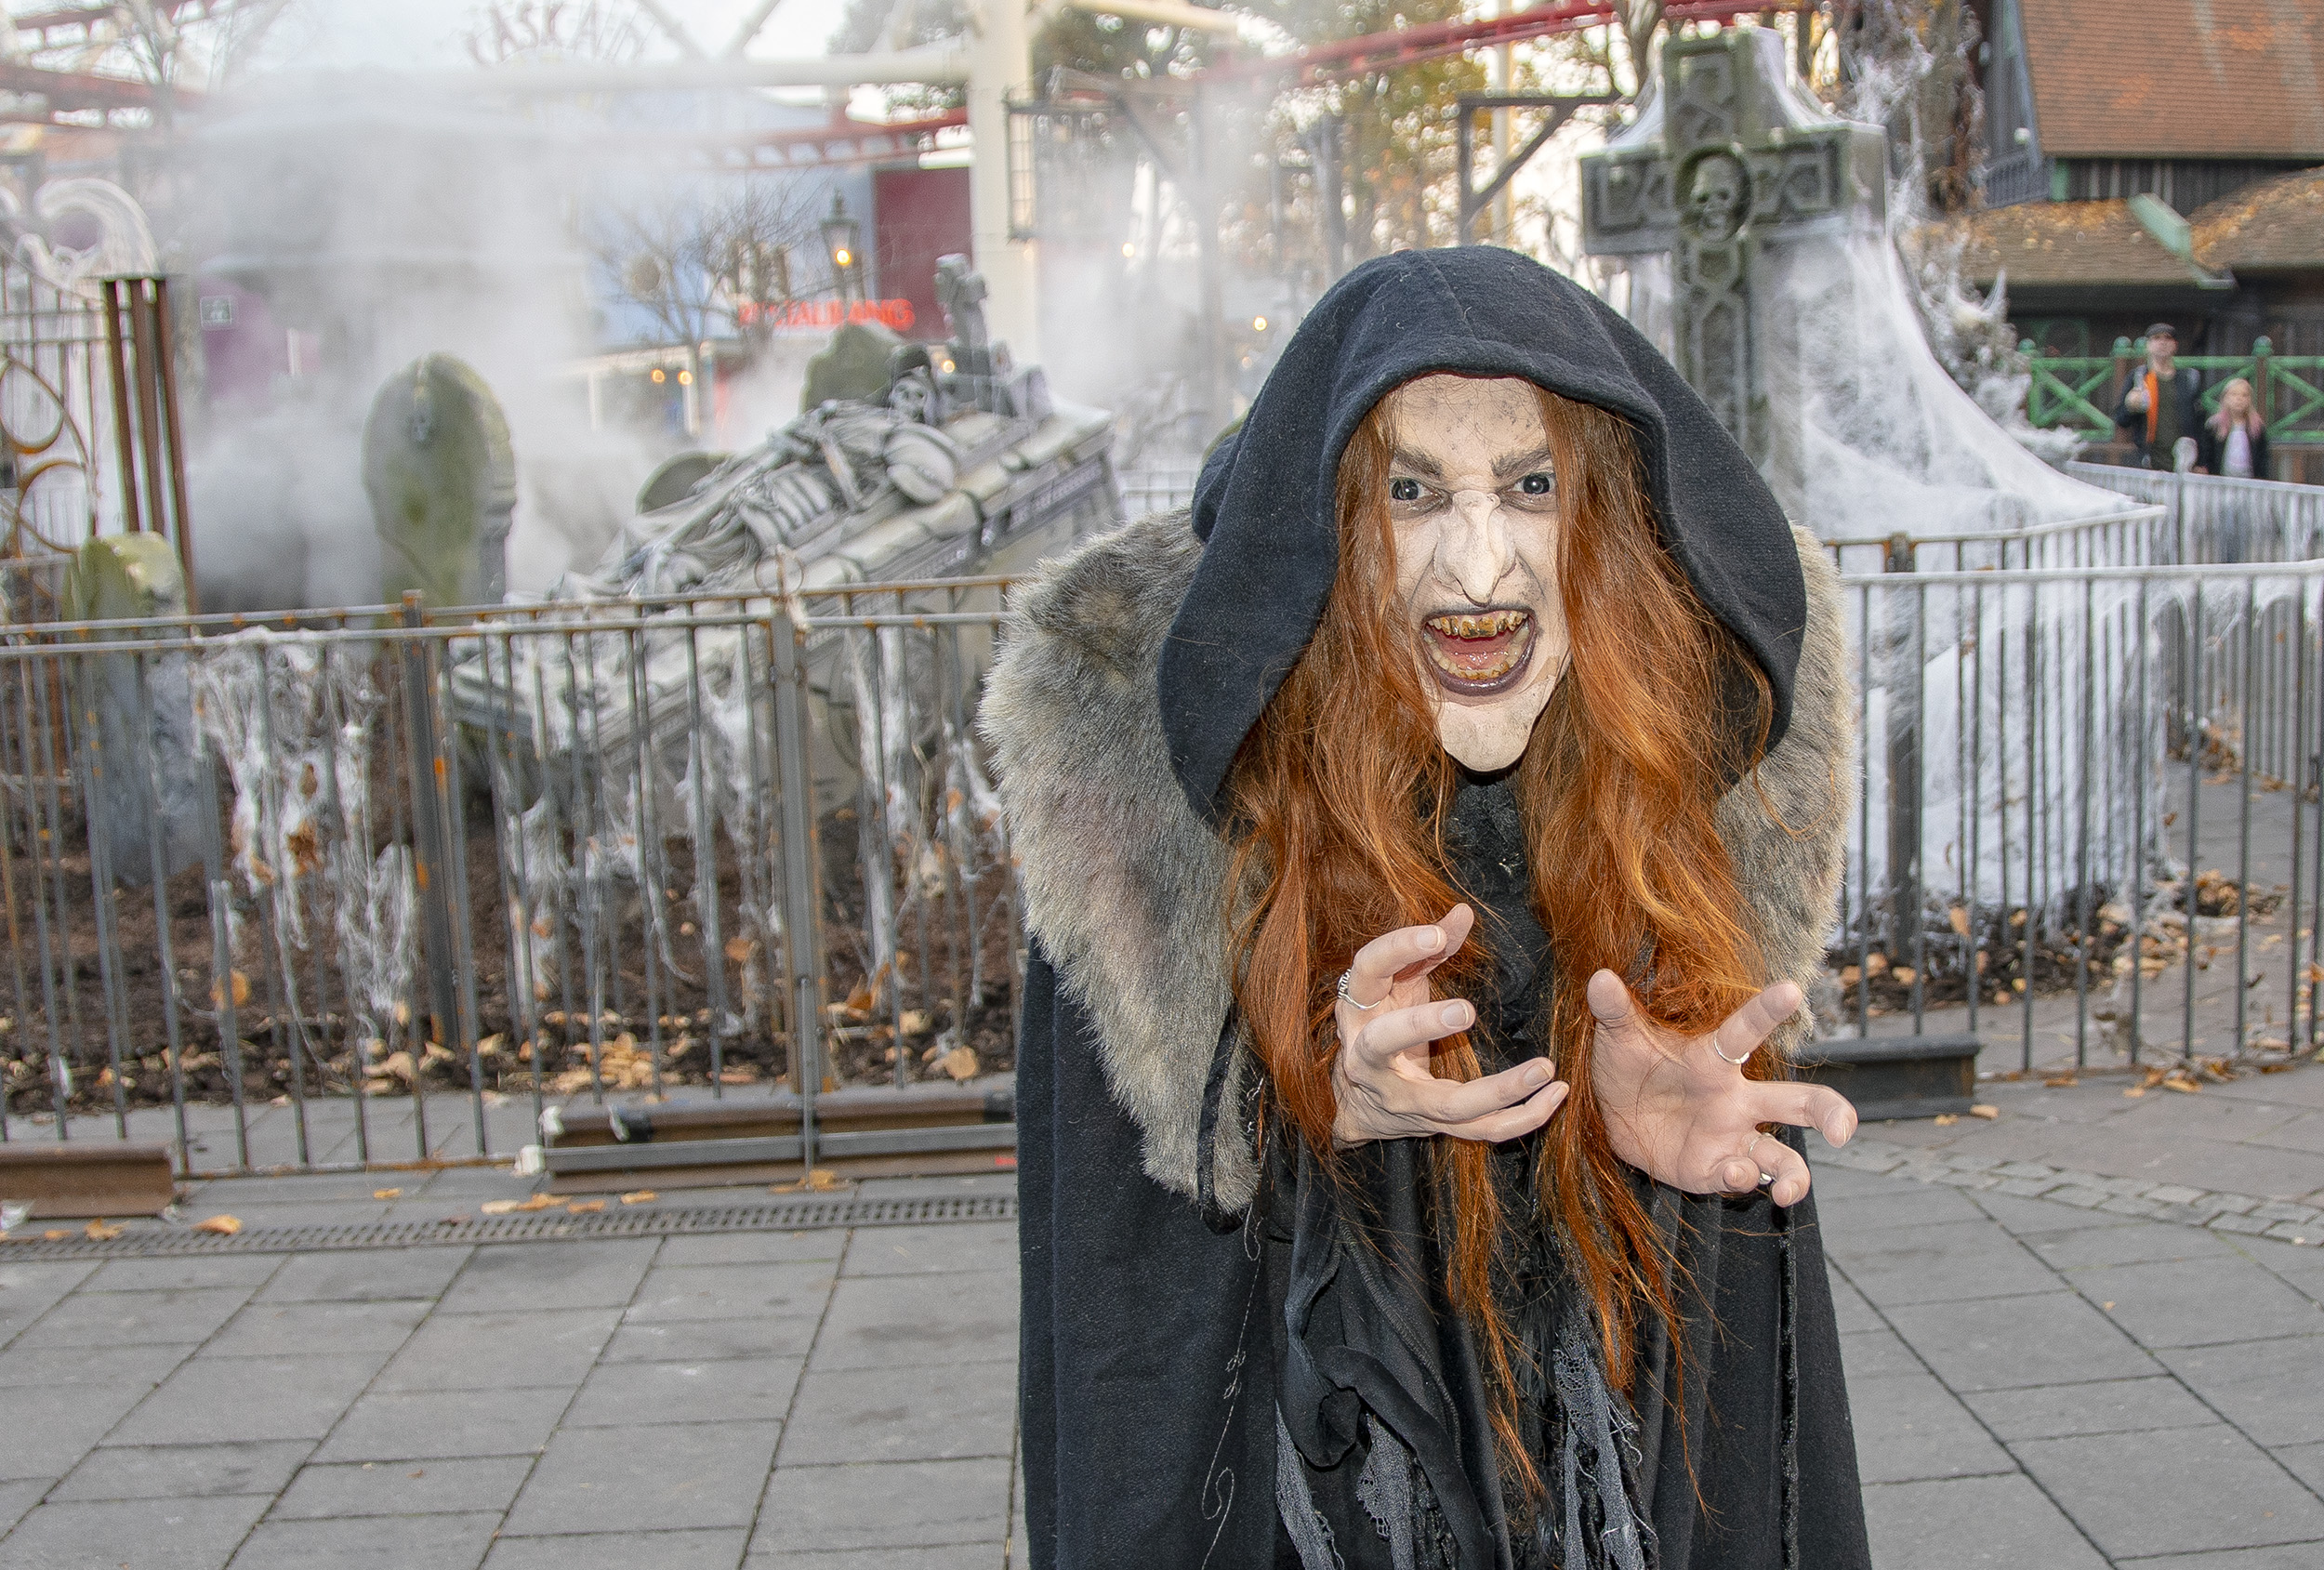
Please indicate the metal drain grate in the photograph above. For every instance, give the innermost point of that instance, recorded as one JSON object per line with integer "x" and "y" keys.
{"x": 549, "y": 1226}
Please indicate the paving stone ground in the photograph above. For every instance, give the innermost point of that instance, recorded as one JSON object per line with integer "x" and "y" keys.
{"x": 2037, "y": 1382}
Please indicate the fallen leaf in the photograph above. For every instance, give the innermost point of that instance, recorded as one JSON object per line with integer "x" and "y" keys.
{"x": 2135, "y": 1092}
{"x": 585, "y": 1206}
{"x": 960, "y": 1062}
{"x": 2106, "y": 1305}
{"x": 2182, "y": 1083}
{"x": 224, "y": 1226}
{"x": 490, "y": 1045}
{"x": 2061, "y": 1082}
{"x": 640, "y": 1196}
{"x": 497, "y": 1207}
{"x": 538, "y": 1202}
{"x": 102, "y": 1230}
{"x": 387, "y": 1194}
{"x": 1988, "y": 1112}
{"x": 1959, "y": 917}
{"x": 55, "y": 1234}
{"x": 241, "y": 985}
{"x": 1946, "y": 1119}
{"x": 822, "y": 1179}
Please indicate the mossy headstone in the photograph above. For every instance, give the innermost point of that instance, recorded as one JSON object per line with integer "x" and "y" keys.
{"x": 138, "y": 756}
{"x": 441, "y": 478}
{"x": 854, "y": 365}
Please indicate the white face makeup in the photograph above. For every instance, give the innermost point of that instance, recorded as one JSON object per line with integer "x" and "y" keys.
{"x": 1473, "y": 501}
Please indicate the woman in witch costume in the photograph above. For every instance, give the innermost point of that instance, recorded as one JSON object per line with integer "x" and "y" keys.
{"x": 1425, "y": 844}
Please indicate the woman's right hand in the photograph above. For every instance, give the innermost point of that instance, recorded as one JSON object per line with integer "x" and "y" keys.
{"x": 1382, "y": 1077}
{"x": 2136, "y": 399}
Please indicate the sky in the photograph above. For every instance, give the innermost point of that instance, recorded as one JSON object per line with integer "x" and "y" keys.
{"x": 430, "y": 34}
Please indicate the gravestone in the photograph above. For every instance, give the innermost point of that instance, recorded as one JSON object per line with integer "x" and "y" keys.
{"x": 441, "y": 478}
{"x": 852, "y": 366}
{"x": 1733, "y": 158}
{"x": 139, "y": 756}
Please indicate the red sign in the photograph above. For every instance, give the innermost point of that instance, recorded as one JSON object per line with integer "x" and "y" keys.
{"x": 824, "y": 316}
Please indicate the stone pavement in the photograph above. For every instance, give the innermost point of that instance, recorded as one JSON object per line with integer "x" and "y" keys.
{"x": 833, "y": 1399}
{"x": 2037, "y": 1382}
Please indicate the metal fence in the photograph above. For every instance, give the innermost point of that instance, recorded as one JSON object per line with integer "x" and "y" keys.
{"x": 2209, "y": 518}
{"x": 1157, "y": 490}
{"x": 362, "y": 869}
{"x": 517, "y": 856}
{"x": 2075, "y": 782}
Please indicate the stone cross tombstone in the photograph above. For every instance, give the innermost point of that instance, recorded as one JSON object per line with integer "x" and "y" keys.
{"x": 140, "y": 756}
{"x": 1732, "y": 159}
{"x": 441, "y": 478}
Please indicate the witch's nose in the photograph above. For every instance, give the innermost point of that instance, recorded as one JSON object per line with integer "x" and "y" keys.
{"x": 1476, "y": 551}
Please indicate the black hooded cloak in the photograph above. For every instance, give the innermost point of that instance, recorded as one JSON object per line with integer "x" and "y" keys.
{"x": 1198, "y": 1335}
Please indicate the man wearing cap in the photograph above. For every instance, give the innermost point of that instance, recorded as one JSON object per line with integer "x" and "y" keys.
{"x": 2158, "y": 409}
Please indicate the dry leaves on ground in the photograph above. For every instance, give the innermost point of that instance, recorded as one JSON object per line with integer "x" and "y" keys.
{"x": 585, "y": 1206}
{"x": 223, "y": 1226}
{"x": 387, "y": 1194}
{"x": 102, "y": 1230}
{"x": 640, "y": 1196}
{"x": 822, "y": 1181}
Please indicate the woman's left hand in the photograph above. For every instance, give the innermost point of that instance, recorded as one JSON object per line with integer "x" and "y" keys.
{"x": 1680, "y": 1112}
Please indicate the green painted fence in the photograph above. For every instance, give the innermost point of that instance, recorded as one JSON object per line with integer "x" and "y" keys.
{"x": 2079, "y": 391}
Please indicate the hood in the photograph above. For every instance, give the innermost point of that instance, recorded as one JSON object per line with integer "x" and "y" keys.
{"x": 1263, "y": 505}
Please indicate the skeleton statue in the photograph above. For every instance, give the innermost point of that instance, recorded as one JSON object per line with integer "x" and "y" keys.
{"x": 836, "y": 459}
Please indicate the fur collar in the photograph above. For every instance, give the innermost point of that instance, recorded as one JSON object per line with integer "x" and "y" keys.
{"x": 1123, "y": 883}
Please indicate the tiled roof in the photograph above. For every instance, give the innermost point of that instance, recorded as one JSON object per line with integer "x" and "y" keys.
{"x": 2273, "y": 225}
{"x": 2148, "y": 79}
{"x": 2085, "y": 242}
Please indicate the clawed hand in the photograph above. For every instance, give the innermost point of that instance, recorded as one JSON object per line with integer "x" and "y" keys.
{"x": 1381, "y": 1076}
{"x": 1678, "y": 1110}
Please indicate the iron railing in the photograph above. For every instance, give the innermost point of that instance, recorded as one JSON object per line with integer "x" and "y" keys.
{"x": 2079, "y": 391}
{"x": 2083, "y": 789}
{"x": 518, "y": 856}
{"x": 380, "y": 886}
{"x": 2211, "y": 518}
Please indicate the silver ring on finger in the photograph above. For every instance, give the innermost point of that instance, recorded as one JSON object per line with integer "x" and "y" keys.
{"x": 1765, "y": 1178}
{"x": 1737, "y": 1062}
{"x": 1349, "y": 998}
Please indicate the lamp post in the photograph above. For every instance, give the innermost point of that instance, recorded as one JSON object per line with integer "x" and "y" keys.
{"x": 842, "y": 242}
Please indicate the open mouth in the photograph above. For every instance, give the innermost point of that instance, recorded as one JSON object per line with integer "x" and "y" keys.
{"x": 1481, "y": 652}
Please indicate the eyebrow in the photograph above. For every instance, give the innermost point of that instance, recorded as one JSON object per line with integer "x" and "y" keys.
{"x": 1508, "y": 466}
{"x": 1515, "y": 464}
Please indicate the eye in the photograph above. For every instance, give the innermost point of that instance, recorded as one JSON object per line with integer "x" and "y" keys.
{"x": 1403, "y": 490}
{"x": 1538, "y": 486}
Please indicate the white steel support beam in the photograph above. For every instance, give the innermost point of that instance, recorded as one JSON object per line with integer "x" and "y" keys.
{"x": 1160, "y": 13}
{"x": 1000, "y": 63}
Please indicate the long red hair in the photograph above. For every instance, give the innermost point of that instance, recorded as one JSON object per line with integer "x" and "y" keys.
{"x": 1341, "y": 795}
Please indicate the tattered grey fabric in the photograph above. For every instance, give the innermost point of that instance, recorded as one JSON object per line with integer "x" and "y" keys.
{"x": 1596, "y": 1437}
{"x": 1311, "y": 1535}
{"x": 1385, "y": 1492}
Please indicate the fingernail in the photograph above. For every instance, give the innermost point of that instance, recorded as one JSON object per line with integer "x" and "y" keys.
{"x": 1538, "y": 1074}
{"x": 1432, "y": 937}
{"x": 1456, "y": 1015}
